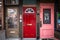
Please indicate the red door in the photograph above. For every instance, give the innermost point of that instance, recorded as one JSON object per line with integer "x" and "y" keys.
{"x": 47, "y": 20}
{"x": 29, "y": 22}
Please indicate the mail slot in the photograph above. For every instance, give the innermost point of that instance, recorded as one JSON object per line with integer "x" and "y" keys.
{"x": 29, "y": 24}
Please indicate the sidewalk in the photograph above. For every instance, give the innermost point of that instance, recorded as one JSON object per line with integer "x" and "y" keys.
{"x": 2, "y": 36}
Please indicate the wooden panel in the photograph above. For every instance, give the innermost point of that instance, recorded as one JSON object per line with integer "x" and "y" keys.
{"x": 13, "y": 33}
{"x": 1, "y": 15}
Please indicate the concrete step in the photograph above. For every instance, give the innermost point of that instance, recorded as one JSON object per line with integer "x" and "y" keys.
{"x": 13, "y": 39}
{"x": 29, "y": 39}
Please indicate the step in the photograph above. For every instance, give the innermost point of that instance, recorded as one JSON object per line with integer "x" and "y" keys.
{"x": 13, "y": 39}
{"x": 29, "y": 39}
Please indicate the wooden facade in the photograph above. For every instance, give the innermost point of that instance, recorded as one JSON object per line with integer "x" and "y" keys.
{"x": 1, "y": 15}
{"x": 14, "y": 16}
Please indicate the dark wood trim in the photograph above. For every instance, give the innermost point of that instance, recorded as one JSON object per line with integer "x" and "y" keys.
{"x": 2, "y": 14}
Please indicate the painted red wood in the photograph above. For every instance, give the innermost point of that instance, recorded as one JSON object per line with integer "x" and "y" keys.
{"x": 47, "y": 30}
{"x": 29, "y": 23}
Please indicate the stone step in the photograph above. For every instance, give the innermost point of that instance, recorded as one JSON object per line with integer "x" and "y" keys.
{"x": 13, "y": 39}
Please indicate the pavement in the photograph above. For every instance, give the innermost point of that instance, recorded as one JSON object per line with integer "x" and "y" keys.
{"x": 2, "y": 36}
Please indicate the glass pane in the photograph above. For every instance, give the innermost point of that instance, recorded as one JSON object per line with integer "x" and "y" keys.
{"x": 58, "y": 19}
{"x": 14, "y": 2}
{"x": 12, "y": 18}
{"x": 11, "y": 2}
{"x": 46, "y": 16}
{"x": 58, "y": 16}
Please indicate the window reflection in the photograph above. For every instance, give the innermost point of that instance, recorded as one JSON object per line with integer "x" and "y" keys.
{"x": 12, "y": 18}
{"x": 46, "y": 16}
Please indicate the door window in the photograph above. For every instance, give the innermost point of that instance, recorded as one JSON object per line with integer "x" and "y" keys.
{"x": 12, "y": 18}
{"x": 46, "y": 16}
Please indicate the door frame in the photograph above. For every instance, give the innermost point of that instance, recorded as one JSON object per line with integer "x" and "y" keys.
{"x": 38, "y": 20}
